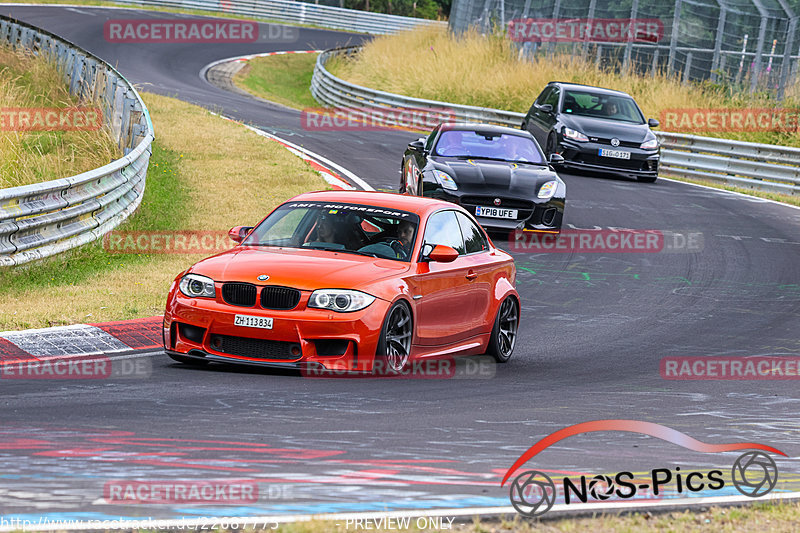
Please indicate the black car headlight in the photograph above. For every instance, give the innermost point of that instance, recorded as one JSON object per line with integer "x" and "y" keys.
{"x": 575, "y": 135}
{"x": 445, "y": 180}
{"x": 196, "y": 286}
{"x": 340, "y": 300}
{"x": 548, "y": 189}
{"x": 652, "y": 144}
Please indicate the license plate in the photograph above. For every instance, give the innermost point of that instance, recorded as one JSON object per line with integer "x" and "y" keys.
{"x": 618, "y": 154}
{"x": 495, "y": 212}
{"x": 253, "y": 321}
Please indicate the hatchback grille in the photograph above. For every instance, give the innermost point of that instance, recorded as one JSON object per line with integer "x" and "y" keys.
{"x": 241, "y": 294}
{"x": 279, "y": 298}
{"x": 622, "y": 144}
{"x": 256, "y": 348}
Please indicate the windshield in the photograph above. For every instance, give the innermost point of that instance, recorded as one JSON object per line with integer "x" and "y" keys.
{"x": 358, "y": 229}
{"x": 609, "y": 107}
{"x": 488, "y": 145}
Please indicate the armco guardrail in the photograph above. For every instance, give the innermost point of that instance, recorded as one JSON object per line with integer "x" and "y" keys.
{"x": 48, "y": 218}
{"x": 299, "y": 13}
{"x": 333, "y": 91}
{"x": 750, "y": 165}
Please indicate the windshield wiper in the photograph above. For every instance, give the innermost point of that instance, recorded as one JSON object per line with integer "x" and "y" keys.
{"x": 368, "y": 254}
{"x": 486, "y": 158}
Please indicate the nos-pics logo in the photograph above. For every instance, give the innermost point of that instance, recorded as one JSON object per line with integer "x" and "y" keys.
{"x": 533, "y": 493}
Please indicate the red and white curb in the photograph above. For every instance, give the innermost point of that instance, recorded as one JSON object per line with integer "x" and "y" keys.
{"x": 80, "y": 340}
{"x": 252, "y": 56}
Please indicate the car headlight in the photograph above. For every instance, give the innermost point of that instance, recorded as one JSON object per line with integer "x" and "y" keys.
{"x": 575, "y": 135}
{"x": 548, "y": 189}
{"x": 340, "y": 300}
{"x": 445, "y": 180}
{"x": 652, "y": 144}
{"x": 196, "y": 286}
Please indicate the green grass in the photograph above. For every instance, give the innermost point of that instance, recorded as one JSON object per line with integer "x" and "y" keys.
{"x": 156, "y": 212}
{"x": 284, "y": 79}
{"x": 776, "y": 517}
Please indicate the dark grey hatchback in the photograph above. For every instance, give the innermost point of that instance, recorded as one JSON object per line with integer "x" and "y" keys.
{"x": 595, "y": 129}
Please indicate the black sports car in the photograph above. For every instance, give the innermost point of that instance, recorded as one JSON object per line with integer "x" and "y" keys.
{"x": 498, "y": 174}
{"x": 595, "y": 129}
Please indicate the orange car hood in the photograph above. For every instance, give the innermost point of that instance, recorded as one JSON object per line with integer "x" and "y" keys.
{"x": 302, "y": 269}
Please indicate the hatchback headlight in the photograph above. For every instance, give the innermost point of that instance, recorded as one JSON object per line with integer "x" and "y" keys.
{"x": 196, "y": 286}
{"x": 548, "y": 189}
{"x": 445, "y": 180}
{"x": 340, "y": 300}
{"x": 575, "y": 135}
{"x": 652, "y": 144}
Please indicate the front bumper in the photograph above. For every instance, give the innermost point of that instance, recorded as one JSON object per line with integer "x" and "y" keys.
{"x": 532, "y": 215}
{"x": 585, "y": 157}
{"x": 203, "y": 328}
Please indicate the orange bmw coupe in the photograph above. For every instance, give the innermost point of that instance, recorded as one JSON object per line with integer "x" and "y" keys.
{"x": 358, "y": 281}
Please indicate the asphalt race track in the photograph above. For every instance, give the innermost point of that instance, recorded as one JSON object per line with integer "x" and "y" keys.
{"x": 594, "y": 330}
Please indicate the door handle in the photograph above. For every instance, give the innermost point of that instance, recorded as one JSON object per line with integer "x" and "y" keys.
{"x": 471, "y": 275}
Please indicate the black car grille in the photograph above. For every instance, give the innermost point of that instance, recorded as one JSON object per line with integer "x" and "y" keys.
{"x": 622, "y": 144}
{"x": 510, "y": 203}
{"x": 256, "y": 348}
{"x": 241, "y": 294}
{"x": 279, "y": 298}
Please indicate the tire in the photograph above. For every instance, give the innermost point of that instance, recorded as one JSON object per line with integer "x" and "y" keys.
{"x": 187, "y": 360}
{"x": 504, "y": 332}
{"x": 648, "y": 179}
{"x": 394, "y": 345}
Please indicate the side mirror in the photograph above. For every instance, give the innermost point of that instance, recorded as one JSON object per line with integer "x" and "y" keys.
{"x": 417, "y": 146}
{"x": 547, "y": 108}
{"x": 653, "y": 123}
{"x": 238, "y": 233}
{"x": 556, "y": 159}
{"x": 441, "y": 254}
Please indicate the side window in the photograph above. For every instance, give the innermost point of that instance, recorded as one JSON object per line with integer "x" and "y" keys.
{"x": 544, "y": 95}
{"x": 431, "y": 137}
{"x": 474, "y": 240}
{"x": 443, "y": 228}
{"x": 552, "y": 98}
